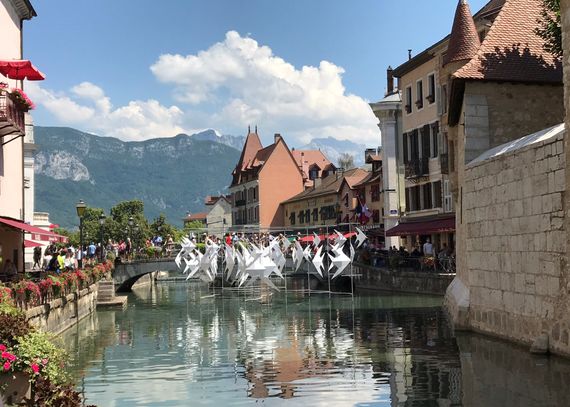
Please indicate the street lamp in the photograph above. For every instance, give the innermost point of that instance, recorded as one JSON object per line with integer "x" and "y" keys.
{"x": 101, "y": 223}
{"x": 131, "y": 224}
{"x": 80, "y": 208}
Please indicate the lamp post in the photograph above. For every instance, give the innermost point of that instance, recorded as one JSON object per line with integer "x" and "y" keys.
{"x": 80, "y": 208}
{"x": 101, "y": 223}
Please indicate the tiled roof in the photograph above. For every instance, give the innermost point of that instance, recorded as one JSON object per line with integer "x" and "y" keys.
{"x": 371, "y": 178}
{"x": 331, "y": 184}
{"x": 464, "y": 40}
{"x": 251, "y": 147}
{"x": 305, "y": 159}
{"x": 196, "y": 216}
{"x": 262, "y": 155}
{"x": 512, "y": 51}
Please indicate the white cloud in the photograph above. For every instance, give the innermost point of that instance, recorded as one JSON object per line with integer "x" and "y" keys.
{"x": 261, "y": 88}
{"x": 232, "y": 84}
{"x": 139, "y": 120}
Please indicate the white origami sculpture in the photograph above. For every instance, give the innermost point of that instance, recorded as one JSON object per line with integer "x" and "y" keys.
{"x": 360, "y": 237}
{"x": 318, "y": 261}
{"x": 316, "y": 240}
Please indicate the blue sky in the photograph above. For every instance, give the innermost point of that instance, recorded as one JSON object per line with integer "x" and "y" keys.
{"x": 227, "y": 63}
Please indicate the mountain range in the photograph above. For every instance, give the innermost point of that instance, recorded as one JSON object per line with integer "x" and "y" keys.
{"x": 170, "y": 175}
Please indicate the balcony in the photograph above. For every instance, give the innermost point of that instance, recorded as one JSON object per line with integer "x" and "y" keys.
{"x": 240, "y": 202}
{"x": 417, "y": 168}
{"x": 444, "y": 163}
{"x": 11, "y": 114}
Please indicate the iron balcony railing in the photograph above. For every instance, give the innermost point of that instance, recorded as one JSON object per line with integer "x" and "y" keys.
{"x": 240, "y": 202}
{"x": 417, "y": 168}
{"x": 11, "y": 114}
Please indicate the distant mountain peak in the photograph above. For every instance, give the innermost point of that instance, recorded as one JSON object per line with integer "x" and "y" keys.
{"x": 332, "y": 148}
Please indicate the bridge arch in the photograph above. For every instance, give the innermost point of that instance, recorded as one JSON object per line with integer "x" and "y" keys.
{"x": 127, "y": 274}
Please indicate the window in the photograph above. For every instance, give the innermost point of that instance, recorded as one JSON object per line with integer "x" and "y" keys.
{"x": 315, "y": 215}
{"x": 375, "y": 193}
{"x": 431, "y": 89}
{"x": 408, "y": 100}
{"x": 301, "y": 216}
{"x": 308, "y": 215}
{"x": 447, "y": 198}
{"x": 420, "y": 94}
{"x": 435, "y": 139}
{"x": 437, "y": 194}
{"x": 255, "y": 193}
{"x": 257, "y": 213}
{"x": 444, "y": 99}
{"x": 292, "y": 218}
{"x": 427, "y": 201}
{"x": 425, "y": 140}
{"x": 313, "y": 173}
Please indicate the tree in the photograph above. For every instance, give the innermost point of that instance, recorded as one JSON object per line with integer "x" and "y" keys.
{"x": 346, "y": 161}
{"x": 550, "y": 27}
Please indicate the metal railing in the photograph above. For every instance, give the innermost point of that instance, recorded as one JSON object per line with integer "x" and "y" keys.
{"x": 11, "y": 112}
{"x": 417, "y": 168}
{"x": 405, "y": 262}
{"x": 240, "y": 202}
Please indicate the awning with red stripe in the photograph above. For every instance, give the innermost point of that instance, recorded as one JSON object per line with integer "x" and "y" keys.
{"x": 423, "y": 227}
{"x": 36, "y": 232}
{"x": 31, "y": 243}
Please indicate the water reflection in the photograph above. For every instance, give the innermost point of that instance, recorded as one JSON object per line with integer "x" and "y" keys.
{"x": 176, "y": 345}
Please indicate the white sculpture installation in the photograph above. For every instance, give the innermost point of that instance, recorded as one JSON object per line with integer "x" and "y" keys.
{"x": 253, "y": 263}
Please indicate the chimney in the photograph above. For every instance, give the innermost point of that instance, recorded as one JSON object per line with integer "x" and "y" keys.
{"x": 409, "y": 54}
{"x": 390, "y": 78}
{"x": 277, "y": 137}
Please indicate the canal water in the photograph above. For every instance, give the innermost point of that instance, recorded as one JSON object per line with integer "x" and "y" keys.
{"x": 175, "y": 345}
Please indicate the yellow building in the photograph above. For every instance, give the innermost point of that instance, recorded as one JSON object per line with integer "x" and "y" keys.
{"x": 331, "y": 201}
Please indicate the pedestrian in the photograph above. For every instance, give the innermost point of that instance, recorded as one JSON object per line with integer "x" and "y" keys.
{"x": 428, "y": 248}
{"x": 37, "y": 258}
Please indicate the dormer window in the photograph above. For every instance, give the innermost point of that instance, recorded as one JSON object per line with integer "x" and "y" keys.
{"x": 313, "y": 174}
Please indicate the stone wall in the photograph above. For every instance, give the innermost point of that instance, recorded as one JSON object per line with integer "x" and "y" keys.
{"x": 496, "y": 114}
{"x": 512, "y": 281}
{"x": 63, "y": 313}
{"x": 415, "y": 282}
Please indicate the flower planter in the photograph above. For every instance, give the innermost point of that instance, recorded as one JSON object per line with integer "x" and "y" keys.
{"x": 14, "y": 387}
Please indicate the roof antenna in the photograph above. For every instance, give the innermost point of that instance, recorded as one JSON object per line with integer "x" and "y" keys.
{"x": 409, "y": 54}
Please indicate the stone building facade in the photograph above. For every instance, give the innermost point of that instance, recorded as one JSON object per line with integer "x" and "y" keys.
{"x": 512, "y": 281}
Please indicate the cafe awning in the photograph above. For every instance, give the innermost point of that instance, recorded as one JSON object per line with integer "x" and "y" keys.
{"x": 31, "y": 243}
{"x": 423, "y": 227}
{"x": 36, "y": 232}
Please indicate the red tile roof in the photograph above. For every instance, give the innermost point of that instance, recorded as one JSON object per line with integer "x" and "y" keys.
{"x": 251, "y": 147}
{"x": 512, "y": 51}
{"x": 464, "y": 40}
{"x": 196, "y": 216}
{"x": 307, "y": 158}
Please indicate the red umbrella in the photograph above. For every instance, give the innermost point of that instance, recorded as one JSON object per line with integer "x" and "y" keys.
{"x": 20, "y": 69}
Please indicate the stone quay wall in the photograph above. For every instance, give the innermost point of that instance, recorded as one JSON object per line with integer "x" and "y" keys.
{"x": 512, "y": 282}
{"x": 62, "y": 313}
{"x": 413, "y": 282}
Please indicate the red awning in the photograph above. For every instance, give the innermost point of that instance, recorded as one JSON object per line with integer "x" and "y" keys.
{"x": 20, "y": 69}
{"x": 31, "y": 243}
{"x": 423, "y": 227}
{"x": 37, "y": 233}
{"x": 332, "y": 236}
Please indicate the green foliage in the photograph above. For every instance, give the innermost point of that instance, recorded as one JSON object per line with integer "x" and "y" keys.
{"x": 346, "y": 161}
{"x": 12, "y": 326}
{"x": 550, "y": 29}
{"x": 40, "y": 348}
{"x": 194, "y": 226}
{"x": 48, "y": 394}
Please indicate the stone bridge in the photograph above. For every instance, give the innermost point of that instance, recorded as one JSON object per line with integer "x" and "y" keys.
{"x": 126, "y": 274}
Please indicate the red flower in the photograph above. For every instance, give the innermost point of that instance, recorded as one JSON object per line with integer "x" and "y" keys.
{"x": 35, "y": 368}
{"x": 2, "y": 348}
{"x": 7, "y": 366}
